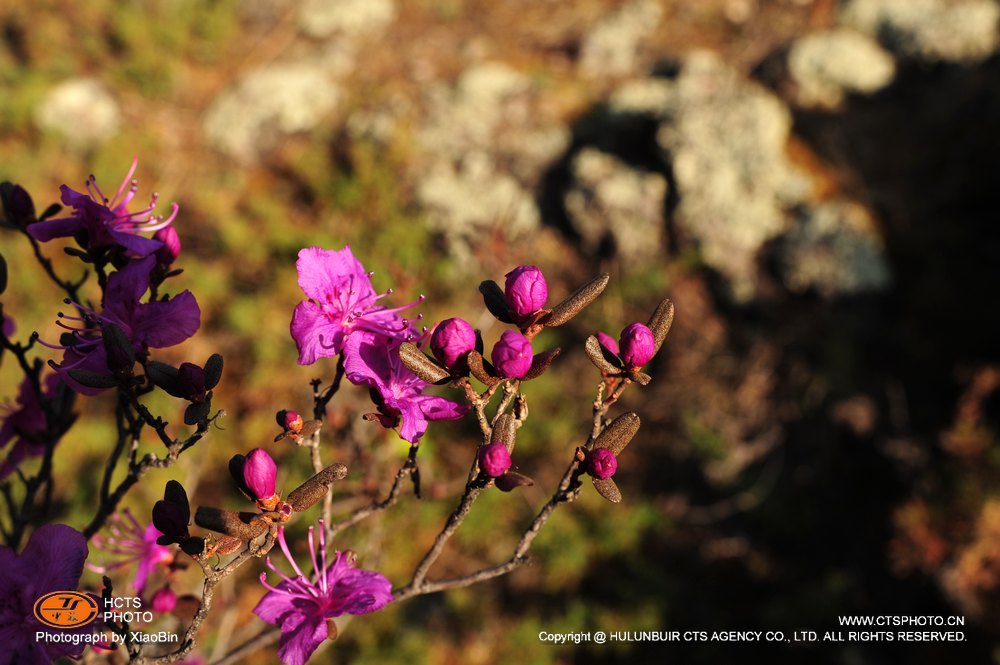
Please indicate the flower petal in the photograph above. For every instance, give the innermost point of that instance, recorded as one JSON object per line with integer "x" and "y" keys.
{"x": 323, "y": 273}
{"x": 301, "y": 633}
{"x": 165, "y": 323}
{"x": 53, "y": 559}
{"x": 273, "y": 605}
{"x": 54, "y": 228}
{"x": 314, "y": 334}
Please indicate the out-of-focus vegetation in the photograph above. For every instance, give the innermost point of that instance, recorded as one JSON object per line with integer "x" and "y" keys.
{"x": 802, "y": 455}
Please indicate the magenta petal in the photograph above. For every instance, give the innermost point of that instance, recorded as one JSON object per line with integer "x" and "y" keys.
{"x": 314, "y": 334}
{"x": 53, "y": 559}
{"x": 414, "y": 424}
{"x": 366, "y": 360}
{"x": 300, "y": 635}
{"x": 439, "y": 408}
{"x": 136, "y": 245}
{"x": 54, "y": 228}
{"x": 166, "y": 323}
{"x": 273, "y": 605}
{"x": 322, "y": 271}
{"x": 128, "y": 285}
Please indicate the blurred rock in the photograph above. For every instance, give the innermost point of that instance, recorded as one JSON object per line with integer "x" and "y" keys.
{"x": 82, "y": 110}
{"x": 485, "y": 146}
{"x": 834, "y": 248}
{"x": 824, "y": 66}
{"x": 952, "y": 30}
{"x": 725, "y": 138}
{"x": 608, "y": 199}
{"x": 267, "y": 104}
{"x": 611, "y": 48}
{"x": 323, "y": 18}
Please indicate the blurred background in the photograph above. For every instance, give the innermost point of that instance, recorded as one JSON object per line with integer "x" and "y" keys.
{"x": 812, "y": 182}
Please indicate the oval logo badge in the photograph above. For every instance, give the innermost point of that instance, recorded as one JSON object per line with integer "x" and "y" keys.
{"x": 66, "y": 609}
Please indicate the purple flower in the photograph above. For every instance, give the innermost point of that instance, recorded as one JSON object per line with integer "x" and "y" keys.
{"x": 637, "y": 345}
{"x": 27, "y": 424}
{"x": 51, "y": 561}
{"x": 156, "y": 324}
{"x": 373, "y": 360}
{"x": 291, "y": 421}
{"x": 512, "y": 355}
{"x": 259, "y": 473}
{"x": 302, "y": 605}
{"x": 451, "y": 341}
{"x": 601, "y": 463}
{"x": 494, "y": 459}
{"x": 525, "y": 290}
{"x": 99, "y": 222}
{"x": 341, "y": 300}
{"x": 131, "y": 543}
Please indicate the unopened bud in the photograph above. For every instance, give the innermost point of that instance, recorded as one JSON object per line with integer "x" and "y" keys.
{"x": 512, "y": 355}
{"x": 525, "y": 290}
{"x": 494, "y": 459}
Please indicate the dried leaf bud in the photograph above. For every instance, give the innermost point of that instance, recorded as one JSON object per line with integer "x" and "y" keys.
{"x": 171, "y": 245}
{"x": 512, "y": 355}
{"x": 601, "y": 463}
{"x": 259, "y": 474}
{"x": 608, "y": 489}
{"x": 525, "y": 290}
{"x": 312, "y": 490}
{"x": 451, "y": 342}
{"x": 541, "y": 362}
{"x": 493, "y": 297}
{"x": 494, "y": 459}
{"x": 171, "y": 520}
{"x": 164, "y": 600}
{"x": 118, "y": 347}
{"x": 245, "y": 526}
{"x": 661, "y": 320}
{"x": 420, "y": 364}
{"x": 504, "y": 430}
{"x": 618, "y": 434}
{"x": 512, "y": 480}
{"x": 577, "y": 301}
{"x": 637, "y": 345}
{"x": 477, "y": 366}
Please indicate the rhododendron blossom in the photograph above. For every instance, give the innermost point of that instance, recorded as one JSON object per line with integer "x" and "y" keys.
{"x": 99, "y": 222}
{"x": 301, "y": 606}
{"x": 341, "y": 301}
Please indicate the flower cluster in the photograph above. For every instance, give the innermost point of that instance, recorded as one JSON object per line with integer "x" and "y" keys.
{"x": 343, "y": 317}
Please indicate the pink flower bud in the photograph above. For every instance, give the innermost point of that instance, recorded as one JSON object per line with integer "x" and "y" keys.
{"x": 525, "y": 290}
{"x": 601, "y": 463}
{"x": 171, "y": 245}
{"x": 451, "y": 341}
{"x": 293, "y": 421}
{"x": 637, "y": 345}
{"x": 164, "y": 600}
{"x": 608, "y": 342}
{"x": 512, "y": 355}
{"x": 494, "y": 459}
{"x": 259, "y": 473}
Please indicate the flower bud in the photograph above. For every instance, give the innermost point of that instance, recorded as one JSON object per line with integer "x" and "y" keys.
{"x": 259, "y": 473}
{"x": 191, "y": 381}
{"x": 601, "y": 463}
{"x": 451, "y": 341}
{"x": 525, "y": 290}
{"x": 292, "y": 421}
{"x": 512, "y": 355}
{"x": 608, "y": 342}
{"x": 494, "y": 459}
{"x": 164, "y": 600}
{"x": 171, "y": 245}
{"x": 637, "y": 345}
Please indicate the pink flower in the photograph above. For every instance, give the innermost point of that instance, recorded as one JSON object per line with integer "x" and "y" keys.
{"x": 341, "y": 301}
{"x": 99, "y": 222}
{"x": 51, "y": 561}
{"x": 398, "y": 393}
{"x": 525, "y": 290}
{"x": 156, "y": 324}
{"x": 637, "y": 345}
{"x": 259, "y": 474}
{"x": 451, "y": 341}
{"x": 601, "y": 463}
{"x": 512, "y": 355}
{"x": 302, "y": 605}
{"x": 494, "y": 459}
{"x": 132, "y": 544}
